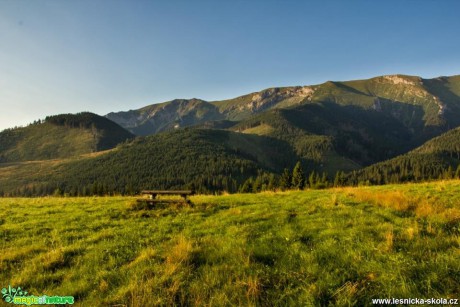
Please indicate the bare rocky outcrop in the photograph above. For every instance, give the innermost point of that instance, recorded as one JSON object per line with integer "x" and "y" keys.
{"x": 270, "y": 97}
{"x": 440, "y": 105}
{"x": 396, "y": 79}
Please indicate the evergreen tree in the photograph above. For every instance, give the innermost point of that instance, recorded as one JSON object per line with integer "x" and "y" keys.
{"x": 312, "y": 180}
{"x": 285, "y": 180}
{"x": 298, "y": 177}
{"x": 57, "y": 192}
{"x": 94, "y": 188}
{"x": 257, "y": 184}
{"x": 321, "y": 181}
{"x": 247, "y": 186}
{"x": 448, "y": 173}
{"x": 272, "y": 183}
{"x": 337, "y": 182}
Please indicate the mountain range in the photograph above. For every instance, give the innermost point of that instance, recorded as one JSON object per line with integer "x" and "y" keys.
{"x": 357, "y": 127}
{"x": 412, "y": 100}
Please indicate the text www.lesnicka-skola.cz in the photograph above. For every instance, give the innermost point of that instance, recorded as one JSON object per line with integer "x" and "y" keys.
{"x": 415, "y": 301}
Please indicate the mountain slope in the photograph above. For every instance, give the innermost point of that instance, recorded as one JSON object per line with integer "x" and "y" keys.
{"x": 429, "y": 106}
{"x": 334, "y": 136}
{"x": 437, "y": 158}
{"x": 60, "y": 136}
{"x": 166, "y": 116}
{"x": 208, "y": 160}
{"x": 332, "y": 126}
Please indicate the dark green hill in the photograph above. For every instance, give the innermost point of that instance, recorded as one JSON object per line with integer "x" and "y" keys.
{"x": 207, "y": 160}
{"x": 437, "y": 158}
{"x": 60, "y": 136}
{"x": 335, "y": 136}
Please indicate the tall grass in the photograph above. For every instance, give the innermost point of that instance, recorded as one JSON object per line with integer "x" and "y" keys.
{"x": 332, "y": 247}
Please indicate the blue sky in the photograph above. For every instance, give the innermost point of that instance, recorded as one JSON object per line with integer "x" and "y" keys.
{"x": 68, "y": 56}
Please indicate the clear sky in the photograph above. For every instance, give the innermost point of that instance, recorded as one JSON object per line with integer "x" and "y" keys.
{"x": 67, "y": 56}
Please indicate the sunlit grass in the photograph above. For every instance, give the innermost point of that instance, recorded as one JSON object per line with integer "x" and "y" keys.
{"x": 340, "y": 247}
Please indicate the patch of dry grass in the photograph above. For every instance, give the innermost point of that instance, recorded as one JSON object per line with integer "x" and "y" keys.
{"x": 404, "y": 201}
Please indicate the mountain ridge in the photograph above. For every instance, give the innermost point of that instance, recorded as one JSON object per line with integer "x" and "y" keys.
{"x": 378, "y": 93}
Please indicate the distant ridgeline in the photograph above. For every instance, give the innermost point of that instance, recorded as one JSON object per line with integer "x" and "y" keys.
{"x": 386, "y": 129}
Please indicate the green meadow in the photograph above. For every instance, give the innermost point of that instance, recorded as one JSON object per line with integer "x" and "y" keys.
{"x": 334, "y": 247}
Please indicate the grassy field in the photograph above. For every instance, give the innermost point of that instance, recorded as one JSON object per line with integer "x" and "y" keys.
{"x": 323, "y": 247}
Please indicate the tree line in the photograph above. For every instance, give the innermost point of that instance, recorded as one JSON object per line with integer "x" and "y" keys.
{"x": 290, "y": 179}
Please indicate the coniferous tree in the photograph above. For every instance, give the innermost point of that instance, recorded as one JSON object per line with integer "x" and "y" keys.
{"x": 298, "y": 177}
{"x": 285, "y": 180}
{"x": 321, "y": 182}
{"x": 338, "y": 179}
{"x": 57, "y": 192}
{"x": 257, "y": 184}
{"x": 312, "y": 180}
{"x": 247, "y": 186}
{"x": 272, "y": 183}
{"x": 448, "y": 173}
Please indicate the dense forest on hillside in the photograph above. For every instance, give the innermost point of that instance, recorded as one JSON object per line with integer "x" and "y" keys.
{"x": 60, "y": 136}
{"x": 204, "y": 160}
{"x": 438, "y": 158}
{"x": 208, "y": 161}
{"x": 364, "y": 136}
{"x": 211, "y": 161}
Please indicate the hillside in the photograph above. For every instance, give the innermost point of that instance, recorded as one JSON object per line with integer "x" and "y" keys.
{"x": 60, "y": 136}
{"x": 207, "y": 160}
{"x": 337, "y": 137}
{"x": 336, "y": 247}
{"x": 166, "y": 116}
{"x": 437, "y": 158}
{"x": 217, "y": 160}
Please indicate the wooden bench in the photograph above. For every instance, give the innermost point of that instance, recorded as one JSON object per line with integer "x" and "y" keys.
{"x": 154, "y": 193}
